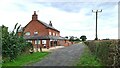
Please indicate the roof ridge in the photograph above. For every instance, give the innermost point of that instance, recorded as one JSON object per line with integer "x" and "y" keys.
{"x": 47, "y": 25}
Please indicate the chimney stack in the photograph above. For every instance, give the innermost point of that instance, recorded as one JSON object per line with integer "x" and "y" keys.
{"x": 34, "y": 16}
{"x": 50, "y": 23}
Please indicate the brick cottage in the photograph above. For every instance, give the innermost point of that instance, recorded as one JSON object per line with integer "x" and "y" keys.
{"x": 41, "y": 34}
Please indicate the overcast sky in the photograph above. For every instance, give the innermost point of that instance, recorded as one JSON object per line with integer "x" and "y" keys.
{"x": 71, "y": 18}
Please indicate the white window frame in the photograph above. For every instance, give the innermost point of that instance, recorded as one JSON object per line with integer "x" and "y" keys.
{"x": 44, "y": 41}
{"x": 36, "y": 41}
{"x": 53, "y": 34}
{"x": 36, "y": 33}
{"x": 27, "y": 33}
{"x": 50, "y": 33}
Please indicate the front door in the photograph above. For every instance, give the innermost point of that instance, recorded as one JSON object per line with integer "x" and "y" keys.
{"x": 51, "y": 43}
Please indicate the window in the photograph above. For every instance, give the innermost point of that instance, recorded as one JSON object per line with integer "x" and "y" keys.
{"x": 56, "y": 34}
{"x": 29, "y": 41}
{"x": 43, "y": 41}
{"x": 37, "y": 41}
{"x": 27, "y": 33}
{"x": 53, "y": 34}
{"x": 36, "y": 33}
{"x": 49, "y": 33}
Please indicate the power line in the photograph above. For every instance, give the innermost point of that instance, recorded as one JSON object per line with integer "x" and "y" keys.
{"x": 96, "y": 11}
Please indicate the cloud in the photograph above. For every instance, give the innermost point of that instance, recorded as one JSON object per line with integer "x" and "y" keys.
{"x": 75, "y": 1}
{"x": 71, "y": 18}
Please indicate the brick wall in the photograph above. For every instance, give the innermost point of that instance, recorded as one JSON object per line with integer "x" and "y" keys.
{"x": 53, "y": 31}
{"x": 36, "y": 26}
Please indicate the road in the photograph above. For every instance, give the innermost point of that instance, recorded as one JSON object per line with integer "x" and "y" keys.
{"x": 66, "y": 56}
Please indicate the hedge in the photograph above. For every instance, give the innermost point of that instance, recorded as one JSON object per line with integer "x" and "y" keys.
{"x": 108, "y": 51}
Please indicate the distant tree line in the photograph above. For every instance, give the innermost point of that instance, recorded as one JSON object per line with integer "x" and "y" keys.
{"x": 73, "y": 39}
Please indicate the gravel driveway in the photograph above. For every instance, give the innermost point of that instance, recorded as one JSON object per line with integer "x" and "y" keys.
{"x": 66, "y": 56}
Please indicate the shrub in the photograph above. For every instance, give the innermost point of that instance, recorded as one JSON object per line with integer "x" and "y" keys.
{"x": 107, "y": 50}
{"x": 12, "y": 44}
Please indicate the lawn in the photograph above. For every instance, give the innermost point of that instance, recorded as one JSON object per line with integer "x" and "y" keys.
{"x": 26, "y": 59}
{"x": 87, "y": 59}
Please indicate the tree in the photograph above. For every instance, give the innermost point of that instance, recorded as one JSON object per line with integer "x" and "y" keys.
{"x": 71, "y": 38}
{"x": 66, "y": 37}
{"x": 83, "y": 37}
{"x": 12, "y": 44}
{"x": 5, "y": 41}
{"x": 77, "y": 39}
{"x": 0, "y": 39}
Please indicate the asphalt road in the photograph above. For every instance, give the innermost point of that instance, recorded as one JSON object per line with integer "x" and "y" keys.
{"x": 66, "y": 56}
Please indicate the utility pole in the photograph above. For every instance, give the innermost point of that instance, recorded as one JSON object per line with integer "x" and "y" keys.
{"x": 96, "y": 20}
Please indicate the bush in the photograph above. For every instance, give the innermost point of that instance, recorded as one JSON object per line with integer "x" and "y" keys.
{"x": 107, "y": 50}
{"x": 12, "y": 44}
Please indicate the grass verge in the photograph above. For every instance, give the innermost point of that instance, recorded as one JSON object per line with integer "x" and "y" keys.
{"x": 26, "y": 59}
{"x": 87, "y": 59}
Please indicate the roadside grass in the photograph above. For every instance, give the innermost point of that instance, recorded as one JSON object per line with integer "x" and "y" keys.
{"x": 87, "y": 59}
{"x": 0, "y": 65}
{"x": 26, "y": 59}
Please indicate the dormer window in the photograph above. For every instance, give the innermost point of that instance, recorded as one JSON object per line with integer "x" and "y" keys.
{"x": 36, "y": 33}
{"x": 27, "y": 33}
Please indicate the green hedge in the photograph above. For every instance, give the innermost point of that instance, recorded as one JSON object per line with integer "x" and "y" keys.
{"x": 106, "y": 50}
